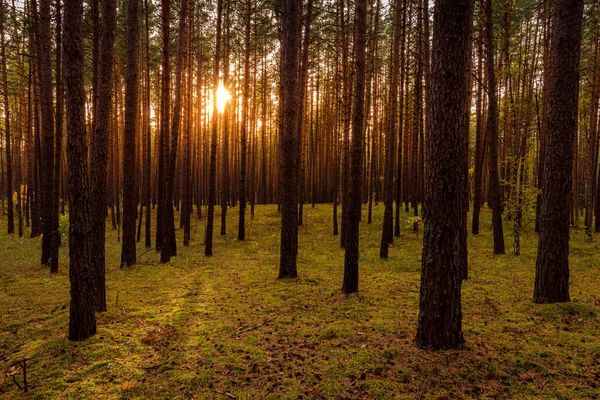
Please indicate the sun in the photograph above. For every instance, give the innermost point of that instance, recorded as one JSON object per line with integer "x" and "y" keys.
{"x": 223, "y": 97}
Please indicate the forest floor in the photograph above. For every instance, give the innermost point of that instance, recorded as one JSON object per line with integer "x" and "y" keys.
{"x": 226, "y": 328}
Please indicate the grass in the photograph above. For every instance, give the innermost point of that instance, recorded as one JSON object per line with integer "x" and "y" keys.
{"x": 225, "y": 327}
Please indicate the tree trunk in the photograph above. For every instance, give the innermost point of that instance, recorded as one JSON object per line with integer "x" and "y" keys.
{"x": 243, "y": 133}
{"x": 479, "y": 142}
{"x": 552, "y": 265}
{"x": 350, "y": 284}
{"x": 82, "y": 322}
{"x": 99, "y": 150}
{"x": 9, "y": 173}
{"x": 50, "y": 222}
{"x": 212, "y": 177}
{"x": 128, "y": 250}
{"x": 494, "y": 196}
{"x": 440, "y": 315}
{"x": 289, "y": 138}
{"x": 169, "y": 246}
{"x": 387, "y": 235}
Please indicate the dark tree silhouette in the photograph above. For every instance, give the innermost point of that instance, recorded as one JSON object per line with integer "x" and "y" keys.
{"x": 169, "y": 246}
{"x": 50, "y": 217}
{"x": 387, "y": 235}
{"x": 289, "y": 156}
{"x": 7, "y": 138}
{"x": 212, "y": 176}
{"x": 495, "y": 199}
{"x": 82, "y": 322}
{"x": 440, "y": 315}
{"x": 552, "y": 265}
{"x": 128, "y": 250}
{"x": 99, "y": 149}
{"x": 350, "y": 284}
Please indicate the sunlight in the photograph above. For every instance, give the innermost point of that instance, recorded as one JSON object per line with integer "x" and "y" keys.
{"x": 223, "y": 97}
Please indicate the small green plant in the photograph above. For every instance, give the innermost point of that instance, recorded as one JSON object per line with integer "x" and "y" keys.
{"x": 414, "y": 223}
{"x": 63, "y": 227}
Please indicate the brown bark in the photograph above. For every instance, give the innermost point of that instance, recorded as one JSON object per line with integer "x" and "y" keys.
{"x": 552, "y": 265}
{"x": 169, "y": 246}
{"x": 387, "y": 235}
{"x": 494, "y": 196}
{"x": 212, "y": 176}
{"x": 99, "y": 149}
{"x": 440, "y": 316}
{"x": 50, "y": 218}
{"x": 128, "y": 249}
{"x": 351, "y": 255}
{"x": 243, "y": 134}
{"x": 289, "y": 139}
{"x": 82, "y": 321}
{"x": 7, "y": 135}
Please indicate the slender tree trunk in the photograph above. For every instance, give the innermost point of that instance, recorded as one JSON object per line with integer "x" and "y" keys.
{"x": 148, "y": 144}
{"x": 212, "y": 177}
{"x": 82, "y": 322}
{"x": 225, "y": 182}
{"x": 350, "y": 284}
{"x": 289, "y": 157}
{"x": 59, "y": 121}
{"x": 49, "y": 243}
{"x": 128, "y": 250}
{"x": 7, "y": 134}
{"x": 552, "y": 266}
{"x": 243, "y": 133}
{"x": 387, "y": 235}
{"x": 494, "y": 196}
{"x": 169, "y": 246}
{"x": 99, "y": 150}
{"x": 479, "y": 142}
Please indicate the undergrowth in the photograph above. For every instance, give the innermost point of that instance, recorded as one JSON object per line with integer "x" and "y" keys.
{"x": 225, "y": 327}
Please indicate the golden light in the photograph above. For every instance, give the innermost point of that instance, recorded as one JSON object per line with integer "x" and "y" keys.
{"x": 223, "y": 97}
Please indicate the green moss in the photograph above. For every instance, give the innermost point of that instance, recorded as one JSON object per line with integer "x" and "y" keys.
{"x": 180, "y": 330}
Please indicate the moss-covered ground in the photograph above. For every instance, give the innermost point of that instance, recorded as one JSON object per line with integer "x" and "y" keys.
{"x": 225, "y": 328}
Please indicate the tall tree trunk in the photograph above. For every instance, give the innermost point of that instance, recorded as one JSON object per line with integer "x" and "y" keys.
{"x": 169, "y": 246}
{"x": 350, "y": 284}
{"x": 387, "y": 235}
{"x": 479, "y": 141}
{"x": 50, "y": 222}
{"x": 289, "y": 139}
{"x": 82, "y": 321}
{"x": 9, "y": 173}
{"x": 225, "y": 182}
{"x": 148, "y": 144}
{"x": 212, "y": 177}
{"x": 128, "y": 250}
{"x": 494, "y": 196}
{"x": 99, "y": 149}
{"x": 243, "y": 133}
{"x": 440, "y": 315}
{"x": 59, "y": 119}
{"x": 165, "y": 110}
{"x": 552, "y": 265}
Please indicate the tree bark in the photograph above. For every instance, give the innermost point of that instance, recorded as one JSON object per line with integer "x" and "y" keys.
{"x": 494, "y": 195}
{"x": 82, "y": 321}
{"x": 99, "y": 149}
{"x": 212, "y": 177}
{"x": 289, "y": 140}
{"x": 128, "y": 250}
{"x": 440, "y": 315}
{"x": 50, "y": 218}
{"x": 552, "y": 265}
{"x": 351, "y": 255}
